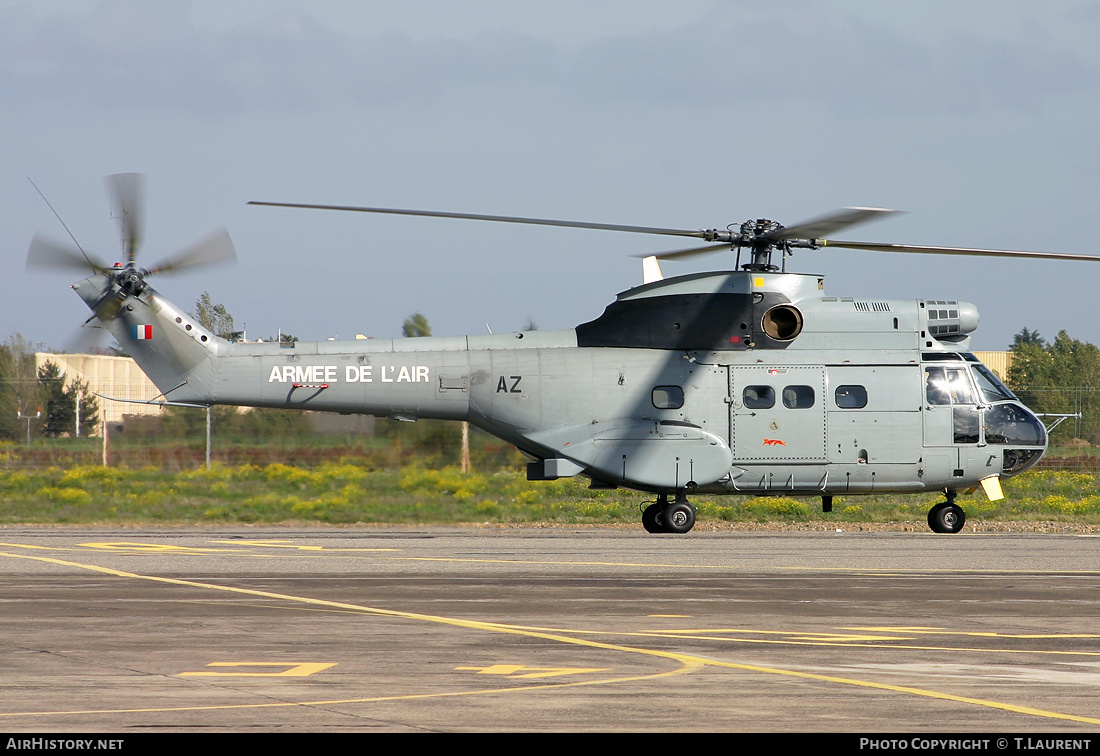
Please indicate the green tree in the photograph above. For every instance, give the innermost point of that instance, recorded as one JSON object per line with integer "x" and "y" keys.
{"x": 213, "y": 317}
{"x": 1027, "y": 338}
{"x": 18, "y": 386}
{"x": 416, "y": 325}
{"x": 59, "y": 403}
{"x": 1062, "y": 377}
{"x": 269, "y": 423}
{"x": 433, "y": 441}
{"x": 190, "y": 422}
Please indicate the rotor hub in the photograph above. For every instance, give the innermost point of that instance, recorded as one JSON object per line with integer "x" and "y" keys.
{"x": 762, "y": 237}
{"x": 753, "y": 229}
{"x": 130, "y": 279}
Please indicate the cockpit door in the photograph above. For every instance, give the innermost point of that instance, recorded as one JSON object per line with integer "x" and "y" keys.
{"x": 951, "y": 415}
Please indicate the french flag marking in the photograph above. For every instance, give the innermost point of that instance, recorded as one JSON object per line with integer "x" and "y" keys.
{"x": 141, "y": 331}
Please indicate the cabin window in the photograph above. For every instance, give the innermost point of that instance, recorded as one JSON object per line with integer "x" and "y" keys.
{"x": 851, "y": 397}
{"x": 758, "y": 397}
{"x": 668, "y": 397}
{"x": 798, "y": 397}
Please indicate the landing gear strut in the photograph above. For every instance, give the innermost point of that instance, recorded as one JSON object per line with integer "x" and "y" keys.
{"x": 947, "y": 516}
{"x": 665, "y": 517}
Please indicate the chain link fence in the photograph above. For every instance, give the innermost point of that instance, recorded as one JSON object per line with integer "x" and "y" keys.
{"x": 1074, "y": 440}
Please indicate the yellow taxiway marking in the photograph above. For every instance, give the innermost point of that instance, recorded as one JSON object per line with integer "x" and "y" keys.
{"x": 837, "y": 572}
{"x": 162, "y": 549}
{"x": 843, "y": 637}
{"x": 839, "y": 638}
{"x": 513, "y": 670}
{"x": 278, "y": 543}
{"x": 139, "y": 547}
{"x": 849, "y": 644}
{"x": 304, "y": 669}
{"x": 156, "y": 548}
{"x": 688, "y": 662}
{"x": 274, "y": 543}
{"x": 792, "y": 638}
{"x": 942, "y": 631}
{"x": 898, "y": 628}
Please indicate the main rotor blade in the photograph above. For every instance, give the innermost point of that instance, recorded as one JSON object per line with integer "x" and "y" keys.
{"x": 128, "y": 206}
{"x": 45, "y": 253}
{"x": 216, "y": 247}
{"x": 497, "y": 218}
{"x": 830, "y": 223}
{"x": 678, "y": 253}
{"x": 876, "y": 247}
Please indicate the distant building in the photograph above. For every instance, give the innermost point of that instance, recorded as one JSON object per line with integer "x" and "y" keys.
{"x": 998, "y": 362}
{"x": 112, "y": 377}
{"x": 120, "y": 378}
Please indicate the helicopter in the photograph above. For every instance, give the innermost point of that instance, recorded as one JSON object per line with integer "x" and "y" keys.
{"x": 749, "y": 381}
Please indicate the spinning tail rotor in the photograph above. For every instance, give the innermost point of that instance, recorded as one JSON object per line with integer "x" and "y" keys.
{"x": 125, "y": 278}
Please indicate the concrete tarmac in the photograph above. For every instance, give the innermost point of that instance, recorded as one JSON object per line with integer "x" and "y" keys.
{"x": 266, "y": 629}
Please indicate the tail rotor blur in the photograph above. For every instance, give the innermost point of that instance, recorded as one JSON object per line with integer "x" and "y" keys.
{"x": 127, "y": 192}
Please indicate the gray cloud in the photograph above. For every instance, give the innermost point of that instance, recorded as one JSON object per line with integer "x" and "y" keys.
{"x": 134, "y": 54}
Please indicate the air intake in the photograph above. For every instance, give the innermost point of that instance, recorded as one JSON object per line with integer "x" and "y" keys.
{"x": 947, "y": 318}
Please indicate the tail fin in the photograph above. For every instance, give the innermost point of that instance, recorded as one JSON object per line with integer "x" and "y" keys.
{"x": 168, "y": 345}
{"x": 651, "y": 270}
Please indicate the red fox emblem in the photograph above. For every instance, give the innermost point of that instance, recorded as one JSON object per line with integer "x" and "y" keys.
{"x": 774, "y": 442}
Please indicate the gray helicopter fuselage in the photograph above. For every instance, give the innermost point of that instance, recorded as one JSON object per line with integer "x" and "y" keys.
{"x": 730, "y": 382}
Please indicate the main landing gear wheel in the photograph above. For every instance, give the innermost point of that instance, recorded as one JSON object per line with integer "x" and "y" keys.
{"x": 653, "y": 520}
{"x": 679, "y": 517}
{"x": 946, "y": 517}
{"x": 663, "y": 517}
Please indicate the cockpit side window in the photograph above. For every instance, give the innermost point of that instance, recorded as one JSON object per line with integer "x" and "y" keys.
{"x": 947, "y": 386}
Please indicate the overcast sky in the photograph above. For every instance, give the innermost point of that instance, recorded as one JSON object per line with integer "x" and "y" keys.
{"x": 978, "y": 118}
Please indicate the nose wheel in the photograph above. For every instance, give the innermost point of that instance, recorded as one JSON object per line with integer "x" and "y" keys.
{"x": 947, "y": 516}
{"x": 665, "y": 517}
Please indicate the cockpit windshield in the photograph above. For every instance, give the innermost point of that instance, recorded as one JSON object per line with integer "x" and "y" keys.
{"x": 990, "y": 385}
{"x": 1012, "y": 425}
